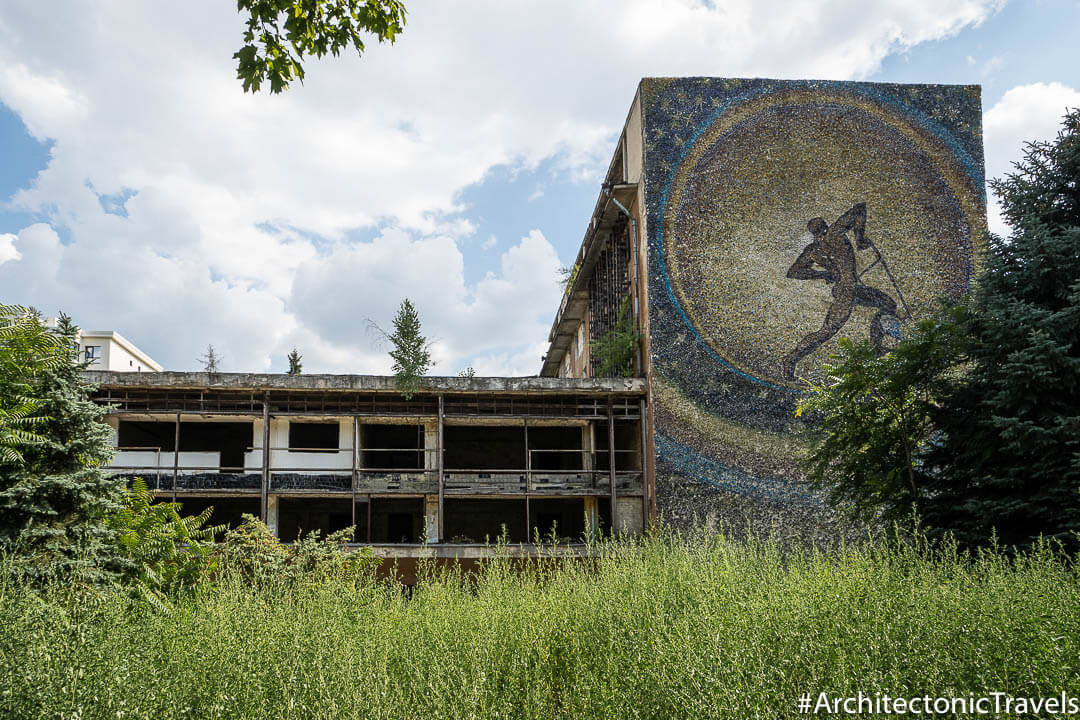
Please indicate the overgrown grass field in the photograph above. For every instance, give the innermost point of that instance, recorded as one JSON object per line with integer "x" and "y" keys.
{"x": 661, "y": 628}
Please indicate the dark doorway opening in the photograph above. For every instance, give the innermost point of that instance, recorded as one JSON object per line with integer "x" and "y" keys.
{"x": 397, "y": 520}
{"x": 299, "y": 516}
{"x": 227, "y": 510}
{"x": 565, "y": 517}
{"x": 627, "y": 446}
{"x": 484, "y": 447}
{"x": 478, "y": 521}
{"x": 555, "y": 448}
{"x": 392, "y": 447}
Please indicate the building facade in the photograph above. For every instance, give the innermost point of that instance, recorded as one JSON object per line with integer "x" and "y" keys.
{"x": 466, "y": 461}
{"x": 745, "y": 226}
{"x": 109, "y": 350}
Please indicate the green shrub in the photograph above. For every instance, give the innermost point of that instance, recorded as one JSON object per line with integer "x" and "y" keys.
{"x": 253, "y": 553}
{"x": 165, "y": 554}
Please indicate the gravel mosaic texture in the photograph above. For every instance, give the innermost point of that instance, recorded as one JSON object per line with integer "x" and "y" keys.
{"x": 781, "y": 217}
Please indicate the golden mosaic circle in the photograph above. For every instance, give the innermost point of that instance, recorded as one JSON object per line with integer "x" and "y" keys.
{"x": 737, "y": 248}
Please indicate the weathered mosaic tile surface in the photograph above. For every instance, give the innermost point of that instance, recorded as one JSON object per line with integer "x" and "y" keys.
{"x": 783, "y": 216}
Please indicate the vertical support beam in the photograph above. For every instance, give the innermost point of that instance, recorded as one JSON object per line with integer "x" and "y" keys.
{"x": 272, "y": 515}
{"x": 265, "y": 488}
{"x": 369, "y": 518}
{"x": 440, "y": 467}
{"x": 431, "y": 519}
{"x": 355, "y": 467}
{"x": 587, "y": 449}
{"x": 646, "y": 520}
{"x": 611, "y": 458}
{"x": 176, "y": 457}
{"x": 591, "y": 514}
{"x": 528, "y": 479}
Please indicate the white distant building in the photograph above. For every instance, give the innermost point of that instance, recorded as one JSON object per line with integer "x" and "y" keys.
{"x": 109, "y": 350}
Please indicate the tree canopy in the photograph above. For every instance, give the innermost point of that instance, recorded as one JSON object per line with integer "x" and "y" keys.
{"x": 55, "y": 501}
{"x": 279, "y": 34}
{"x": 410, "y": 351}
{"x": 295, "y": 365}
{"x": 1009, "y": 454}
{"x": 975, "y": 418}
{"x": 873, "y": 419}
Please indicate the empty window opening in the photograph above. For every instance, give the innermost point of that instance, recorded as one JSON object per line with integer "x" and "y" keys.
{"x": 299, "y": 516}
{"x": 565, "y": 517}
{"x": 227, "y": 511}
{"x": 555, "y": 448}
{"x": 479, "y": 521}
{"x": 231, "y": 439}
{"x": 484, "y": 447}
{"x": 603, "y": 515}
{"x": 361, "y": 533}
{"x": 397, "y": 520}
{"x": 627, "y": 445}
{"x": 313, "y": 437}
{"x": 392, "y": 447}
{"x": 146, "y": 435}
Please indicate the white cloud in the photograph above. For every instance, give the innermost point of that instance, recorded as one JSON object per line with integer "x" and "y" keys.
{"x": 48, "y": 108}
{"x": 1026, "y": 113}
{"x": 338, "y": 294}
{"x": 8, "y": 251}
{"x": 236, "y": 232}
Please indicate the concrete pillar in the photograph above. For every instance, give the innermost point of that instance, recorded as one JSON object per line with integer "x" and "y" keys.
{"x": 587, "y": 447}
{"x": 431, "y": 444}
{"x": 629, "y": 518}
{"x": 272, "y": 514}
{"x": 431, "y": 518}
{"x": 113, "y": 421}
{"x": 591, "y": 517}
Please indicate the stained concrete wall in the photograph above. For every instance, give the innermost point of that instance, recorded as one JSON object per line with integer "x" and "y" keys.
{"x": 781, "y": 217}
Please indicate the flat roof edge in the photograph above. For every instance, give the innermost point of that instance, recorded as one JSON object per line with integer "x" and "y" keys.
{"x": 359, "y": 383}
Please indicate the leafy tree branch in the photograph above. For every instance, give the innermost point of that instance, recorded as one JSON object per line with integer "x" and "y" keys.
{"x": 279, "y": 34}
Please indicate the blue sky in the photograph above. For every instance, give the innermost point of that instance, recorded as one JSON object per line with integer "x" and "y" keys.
{"x": 142, "y": 191}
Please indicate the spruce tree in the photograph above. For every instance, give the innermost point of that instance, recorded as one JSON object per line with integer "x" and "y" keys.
{"x": 295, "y": 366}
{"x": 1008, "y": 457}
{"x": 210, "y": 360}
{"x": 410, "y": 350}
{"x": 56, "y": 502}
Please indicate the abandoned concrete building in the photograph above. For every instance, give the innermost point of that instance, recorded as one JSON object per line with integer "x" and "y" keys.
{"x": 464, "y": 461}
{"x": 701, "y": 303}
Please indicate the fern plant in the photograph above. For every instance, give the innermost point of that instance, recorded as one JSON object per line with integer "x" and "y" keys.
{"x": 27, "y": 349}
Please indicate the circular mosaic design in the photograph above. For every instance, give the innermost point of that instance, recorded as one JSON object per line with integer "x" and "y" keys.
{"x": 797, "y": 218}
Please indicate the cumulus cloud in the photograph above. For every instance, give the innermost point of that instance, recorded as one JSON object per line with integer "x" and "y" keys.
{"x": 240, "y": 209}
{"x": 339, "y": 295}
{"x": 1026, "y": 113}
{"x": 7, "y": 248}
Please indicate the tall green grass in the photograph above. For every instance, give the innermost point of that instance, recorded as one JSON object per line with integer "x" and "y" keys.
{"x": 660, "y": 628}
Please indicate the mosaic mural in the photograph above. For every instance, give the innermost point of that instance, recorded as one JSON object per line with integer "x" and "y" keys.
{"x": 783, "y": 216}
